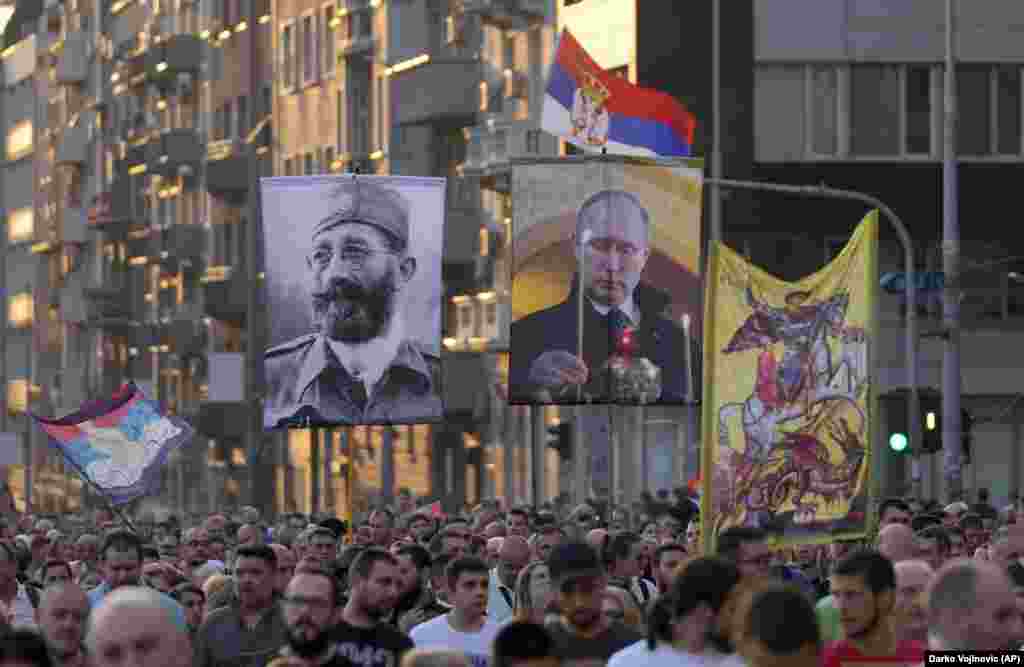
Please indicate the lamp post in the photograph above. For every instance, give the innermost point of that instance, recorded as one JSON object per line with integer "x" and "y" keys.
{"x": 951, "y": 384}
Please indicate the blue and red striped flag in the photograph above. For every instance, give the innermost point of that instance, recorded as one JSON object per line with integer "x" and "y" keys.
{"x": 118, "y": 445}
{"x": 594, "y": 109}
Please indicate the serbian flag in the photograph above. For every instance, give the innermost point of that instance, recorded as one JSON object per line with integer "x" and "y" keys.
{"x": 593, "y": 109}
{"x": 118, "y": 445}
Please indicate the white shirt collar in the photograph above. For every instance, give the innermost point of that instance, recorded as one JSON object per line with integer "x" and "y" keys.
{"x": 628, "y": 309}
{"x": 368, "y": 361}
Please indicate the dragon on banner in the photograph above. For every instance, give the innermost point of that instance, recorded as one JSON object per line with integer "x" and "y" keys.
{"x": 790, "y": 396}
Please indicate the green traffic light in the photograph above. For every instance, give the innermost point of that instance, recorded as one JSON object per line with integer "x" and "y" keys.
{"x": 898, "y": 442}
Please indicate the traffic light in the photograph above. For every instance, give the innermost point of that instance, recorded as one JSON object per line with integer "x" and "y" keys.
{"x": 931, "y": 420}
{"x": 560, "y": 439}
{"x": 898, "y": 434}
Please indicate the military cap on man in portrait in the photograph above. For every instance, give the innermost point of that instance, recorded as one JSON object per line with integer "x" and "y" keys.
{"x": 357, "y": 366}
{"x": 613, "y": 230}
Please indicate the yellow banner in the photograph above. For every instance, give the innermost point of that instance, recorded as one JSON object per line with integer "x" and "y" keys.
{"x": 788, "y": 396}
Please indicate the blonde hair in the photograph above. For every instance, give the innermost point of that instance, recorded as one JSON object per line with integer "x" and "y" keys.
{"x": 434, "y": 658}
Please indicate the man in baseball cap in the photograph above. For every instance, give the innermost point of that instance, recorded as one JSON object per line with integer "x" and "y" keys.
{"x": 584, "y": 632}
{"x": 357, "y": 367}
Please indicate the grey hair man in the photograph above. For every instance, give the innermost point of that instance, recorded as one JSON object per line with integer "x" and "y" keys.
{"x": 912, "y": 579}
{"x": 972, "y": 607}
{"x": 136, "y": 626}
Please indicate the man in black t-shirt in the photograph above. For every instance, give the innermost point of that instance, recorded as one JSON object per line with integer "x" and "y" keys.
{"x": 582, "y": 632}
{"x": 363, "y": 636}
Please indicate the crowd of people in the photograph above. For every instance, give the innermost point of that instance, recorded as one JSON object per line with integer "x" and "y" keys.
{"x": 505, "y": 587}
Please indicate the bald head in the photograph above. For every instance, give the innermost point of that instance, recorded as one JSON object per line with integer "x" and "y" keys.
{"x": 596, "y": 537}
{"x": 514, "y": 548}
{"x": 512, "y": 558}
{"x": 132, "y": 617}
{"x": 972, "y": 607}
{"x": 896, "y": 542}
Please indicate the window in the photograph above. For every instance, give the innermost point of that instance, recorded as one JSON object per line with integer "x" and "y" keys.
{"x": 308, "y": 164}
{"x": 287, "y": 56}
{"x": 874, "y": 112}
{"x": 973, "y": 110}
{"x": 20, "y": 310}
{"x": 289, "y": 167}
{"x": 243, "y": 116}
{"x": 1008, "y": 121}
{"x": 328, "y": 23}
{"x": 492, "y": 313}
{"x": 267, "y": 104}
{"x": 485, "y": 237}
{"x": 533, "y": 141}
{"x": 227, "y": 12}
{"x": 363, "y": 24}
{"x": 19, "y": 140}
{"x": 230, "y": 129}
{"x": 17, "y": 396}
{"x": 308, "y": 49}
{"x": 361, "y": 111}
{"x": 21, "y": 225}
{"x": 824, "y": 91}
{"x": 329, "y": 158}
{"x": 918, "y": 110}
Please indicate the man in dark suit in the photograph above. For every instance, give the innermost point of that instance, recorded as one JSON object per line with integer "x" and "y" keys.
{"x": 612, "y": 241}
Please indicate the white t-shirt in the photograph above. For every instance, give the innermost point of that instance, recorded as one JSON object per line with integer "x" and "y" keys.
{"x": 438, "y": 633}
{"x": 664, "y": 655}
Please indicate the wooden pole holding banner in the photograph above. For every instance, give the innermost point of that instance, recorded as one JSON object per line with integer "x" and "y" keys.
{"x": 114, "y": 509}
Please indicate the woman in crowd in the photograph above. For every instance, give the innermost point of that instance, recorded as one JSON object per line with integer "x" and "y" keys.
{"x": 534, "y": 593}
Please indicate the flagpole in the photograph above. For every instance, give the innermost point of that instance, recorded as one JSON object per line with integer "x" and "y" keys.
{"x": 106, "y": 499}
{"x": 715, "y": 232}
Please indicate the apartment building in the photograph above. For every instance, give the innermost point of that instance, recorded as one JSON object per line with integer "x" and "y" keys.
{"x": 425, "y": 88}
{"x": 127, "y": 125}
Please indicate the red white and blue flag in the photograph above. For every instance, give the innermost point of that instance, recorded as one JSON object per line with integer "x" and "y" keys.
{"x": 118, "y": 445}
{"x": 595, "y": 110}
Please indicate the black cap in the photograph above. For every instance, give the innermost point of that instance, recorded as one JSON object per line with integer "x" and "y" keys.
{"x": 336, "y": 526}
{"x": 571, "y": 560}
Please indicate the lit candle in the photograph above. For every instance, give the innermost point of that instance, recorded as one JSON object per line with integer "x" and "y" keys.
{"x": 688, "y": 358}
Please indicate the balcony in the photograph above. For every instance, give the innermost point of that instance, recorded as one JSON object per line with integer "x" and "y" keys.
{"x": 222, "y": 420}
{"x": 186, "y": 336}
{"x": 108, "y": 306}
{"x": 73, "y": 61}
{"x": 143, "y": 337}
{"x": 118, "y": 209}
{"x": 74, "y": 142}
{"x": 178, "y": 54}
{"x": 181, "y": 245}
{"x": 174, "y": 151}
{"x": 226, "y": 299}
{"x": 141, "y": 248}
{"x": 437, "y": 91}
{"x": 481, "y": 324}
{"x": 508, "y": 13}
{"x": 227, "y": 170}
